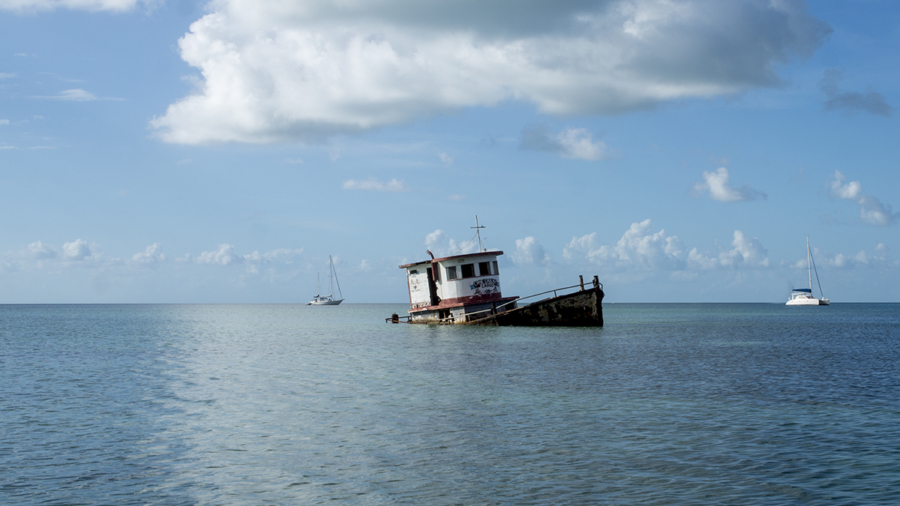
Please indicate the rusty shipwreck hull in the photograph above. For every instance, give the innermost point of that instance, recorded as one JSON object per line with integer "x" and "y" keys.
{"x": 579, "y": 309}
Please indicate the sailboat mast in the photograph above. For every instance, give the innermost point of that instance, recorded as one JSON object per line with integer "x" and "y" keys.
{"x": 338, "y": 281}
{"x": 808, "y": 263}
{"x": 330, "y": 280}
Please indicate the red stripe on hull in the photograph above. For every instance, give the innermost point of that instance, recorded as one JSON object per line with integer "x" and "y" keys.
{"x": 465, "y": 301}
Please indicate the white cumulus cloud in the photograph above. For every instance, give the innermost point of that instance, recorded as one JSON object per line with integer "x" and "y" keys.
{"x": 225, "y": 255}
{"x": 569, "y": 143}
{"x": 530, "y": 252}
{"x": 151, "y": 255}
{"x": 716, "y": 185}
{"x": 76, "y": 250}
{"x": 274, "y": 70}
{"x": 871, "y": 210}
{"x": 643, "y": 249}
{"x": 41, "y": 251}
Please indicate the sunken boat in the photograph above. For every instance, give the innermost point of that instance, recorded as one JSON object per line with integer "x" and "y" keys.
{"x": 465, "y": 290}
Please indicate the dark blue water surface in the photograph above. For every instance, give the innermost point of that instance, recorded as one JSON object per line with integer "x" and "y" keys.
{"x": 286, "y": 404}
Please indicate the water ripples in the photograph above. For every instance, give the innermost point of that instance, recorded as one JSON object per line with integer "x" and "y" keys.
{"x": 268, "y": 404}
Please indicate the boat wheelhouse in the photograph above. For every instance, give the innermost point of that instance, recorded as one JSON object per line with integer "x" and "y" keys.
{"x": 455, "y": 287}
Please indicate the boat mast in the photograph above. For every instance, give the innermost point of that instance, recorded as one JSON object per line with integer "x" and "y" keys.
{"x": 809, "y": 263}
{"x": 821, "y": 293}
{"x": 335, "y": 277}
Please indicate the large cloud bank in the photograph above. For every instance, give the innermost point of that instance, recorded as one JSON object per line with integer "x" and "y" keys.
{"x": 275, "y": 70}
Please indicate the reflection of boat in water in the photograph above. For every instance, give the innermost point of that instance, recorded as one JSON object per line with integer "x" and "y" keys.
{"x": 328, "y": 300}
{"x": 465, "y": 289}
{"x": 804, "y": 296}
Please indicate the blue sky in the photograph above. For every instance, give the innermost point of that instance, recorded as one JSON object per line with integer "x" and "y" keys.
{"x": 180, "y": 151}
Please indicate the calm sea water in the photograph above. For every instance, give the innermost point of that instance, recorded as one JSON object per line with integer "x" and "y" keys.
{"x": 286, "y": 404}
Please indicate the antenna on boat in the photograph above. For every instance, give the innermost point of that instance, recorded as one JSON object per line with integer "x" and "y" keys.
{"x": 478, "y": 228}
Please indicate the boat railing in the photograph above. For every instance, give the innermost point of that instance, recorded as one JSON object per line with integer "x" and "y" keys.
{"x": 496, "y": 308}
{"x": 395, "y": 318}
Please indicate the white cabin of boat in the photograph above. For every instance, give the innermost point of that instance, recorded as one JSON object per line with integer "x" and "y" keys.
{"x": 455, "y": 286}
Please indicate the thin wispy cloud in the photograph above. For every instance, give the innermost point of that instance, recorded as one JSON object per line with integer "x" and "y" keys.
{"x": 88, "y": 5}
{"x": 716, "y": 186}
{"x": 373, "y": 184}
{"x": 871, "y": 101}
{"x": 445, "y": 158}
{"x": 871, "y": 209}
{"x": 420, "y": 59}
{"x": 574, "y": 143}
{"x": 73, "y": 95}
{"x": 4, "y": 122}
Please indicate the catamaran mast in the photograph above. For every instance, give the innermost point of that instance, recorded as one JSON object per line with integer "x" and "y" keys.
{"x": 809, "y": 263}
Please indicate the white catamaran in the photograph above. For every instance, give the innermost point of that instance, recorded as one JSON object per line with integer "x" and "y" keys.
{"x": 328, "y": 300}
{"x": 804, "y": 296}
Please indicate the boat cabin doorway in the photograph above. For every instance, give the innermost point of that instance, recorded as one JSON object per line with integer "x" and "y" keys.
{"x": 432, "y": 288}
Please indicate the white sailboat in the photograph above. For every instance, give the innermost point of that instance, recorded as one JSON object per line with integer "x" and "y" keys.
{"x": 328, "y": 300}
{"x": 804, "y": 296}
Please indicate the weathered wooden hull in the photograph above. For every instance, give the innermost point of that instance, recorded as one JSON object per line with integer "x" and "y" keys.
{"x": 579, "y": 309}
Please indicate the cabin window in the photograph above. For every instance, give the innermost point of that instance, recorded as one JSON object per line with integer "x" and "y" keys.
{"x": 484, "y": 269}
{"x": 468, "y": 271}
{"x": 496, "y": 270}
{"x": 451, "y": 272}
{"x": 413, "y": 272}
